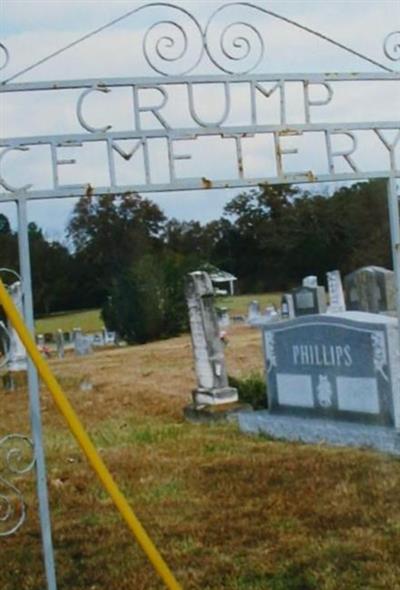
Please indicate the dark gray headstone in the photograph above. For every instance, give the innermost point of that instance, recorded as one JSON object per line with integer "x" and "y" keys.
{"x": 287, "y": 307}
{"x": 342, "y": 367}
{"x": 309, "y": 300}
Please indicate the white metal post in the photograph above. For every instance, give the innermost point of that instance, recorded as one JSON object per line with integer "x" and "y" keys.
{"x": 34, "y": 400}
{"x": 394, "y": 217}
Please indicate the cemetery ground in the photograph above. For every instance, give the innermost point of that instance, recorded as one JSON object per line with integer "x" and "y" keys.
{"x": 226, "y": 510}
{"x": 90, "y": 320}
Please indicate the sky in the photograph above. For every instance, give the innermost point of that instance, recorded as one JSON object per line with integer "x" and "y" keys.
{"x": 32, "y": 29}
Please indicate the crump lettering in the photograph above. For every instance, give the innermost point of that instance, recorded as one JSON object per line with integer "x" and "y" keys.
{"x": 322, "y": 355}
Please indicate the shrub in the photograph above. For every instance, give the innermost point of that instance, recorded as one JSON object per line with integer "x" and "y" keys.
{"x": 252, "y": 389}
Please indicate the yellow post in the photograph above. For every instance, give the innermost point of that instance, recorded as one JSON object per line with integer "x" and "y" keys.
{"x": 86, "y": 444}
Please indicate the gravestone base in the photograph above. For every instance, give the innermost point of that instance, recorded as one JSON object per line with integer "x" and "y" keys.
{"x": 213, "y": 397}
{"x": 13, "y": 380}
{"x": 314, "y": 430}
{"x": 205, "y": 413}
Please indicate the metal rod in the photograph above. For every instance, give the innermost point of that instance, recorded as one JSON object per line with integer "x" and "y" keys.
{"x": 34, "y": 400}
{"x": 394, "y": 217}
{"x": 86, "y": 444}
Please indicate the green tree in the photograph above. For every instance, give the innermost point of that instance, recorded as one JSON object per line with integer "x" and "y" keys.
{"x": 109, "y": 234}
{"x": 146, "y": 302}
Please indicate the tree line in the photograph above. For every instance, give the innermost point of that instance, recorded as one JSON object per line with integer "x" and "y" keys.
{"x": 125, "y": 254}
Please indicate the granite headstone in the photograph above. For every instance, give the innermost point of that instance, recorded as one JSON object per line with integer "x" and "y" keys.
{"x": 309, "y": 300}
{"x": 372, "y": 289}
{"x": 332, "y": 378}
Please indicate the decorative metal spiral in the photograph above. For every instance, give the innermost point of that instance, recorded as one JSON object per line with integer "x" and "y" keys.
{"x": 239, "y": 42}
{"x": 171, "y": 43}
{"x": 4, "y": 56}
{"x": 14, "y": 449}
{"x": 166, "y": 43}
{"x": 391, "y": 46}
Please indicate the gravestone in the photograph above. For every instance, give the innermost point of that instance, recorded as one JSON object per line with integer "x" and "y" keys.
{"x": 223, "y": 317}
{"x": 335, "y": 289}
{"x": 372, "y": 289}
{"x": 60, "y": 344}
{"x": 287, "y": 307}
{"x": 98, "y": 339}
{"x": 253, "y": 311}
{"x": 208, "y": 351}
{"x": 333, "y": 378}
{"x": 17, "y": 359}
{"x": 271, "y": 314}
{"x": 4, "y": 345}
{"x": 109, "y": 337}
{"x": 310, "y": 281}
{"x": 309, "y": 300}
{"x": 82, "y": 344}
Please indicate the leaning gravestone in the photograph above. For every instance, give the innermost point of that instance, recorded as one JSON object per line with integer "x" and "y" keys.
{"x": 208, "y": 349}
{"x": 308, "y": 300}
{"x": 332, "y": 378}
{"x": 337, "y": 302}
{"x": 371, "y": 288}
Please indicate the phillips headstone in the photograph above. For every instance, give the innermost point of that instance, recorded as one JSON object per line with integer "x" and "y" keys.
{"x": 333, "y": 378}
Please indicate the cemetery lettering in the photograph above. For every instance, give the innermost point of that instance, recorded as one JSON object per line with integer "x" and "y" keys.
{"x": 322, "y": 355}
{"x": 283, "y": 138}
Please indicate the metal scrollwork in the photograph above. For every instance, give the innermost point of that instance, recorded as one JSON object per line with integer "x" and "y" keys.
{"x": 169, "y": 43}
{"x": 4, "y": 56}
{"x": 166, "y": 43}
{"x": 240, "y": 44}
{"x": 17, "y": 458}
{"x": 391, "y": 46}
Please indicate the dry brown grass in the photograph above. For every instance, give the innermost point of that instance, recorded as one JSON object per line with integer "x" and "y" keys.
{"x": 226, "y": 510}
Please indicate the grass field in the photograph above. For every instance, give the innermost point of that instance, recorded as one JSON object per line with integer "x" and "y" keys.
{"x": 90, "y": 320}
{"x": 226, "y": 510}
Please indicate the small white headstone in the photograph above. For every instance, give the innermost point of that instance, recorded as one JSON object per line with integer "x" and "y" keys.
{"x": 336, "y": 296}
{"x": 17, "y": 359}
{"x": 253, "y": 312}
{"x": 310, "y": 281}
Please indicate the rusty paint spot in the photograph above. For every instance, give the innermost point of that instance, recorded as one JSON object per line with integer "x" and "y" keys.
{"x": 88, "y": 190}
{"x": 311, "y": 176}
{"x": 288, "y": 131}
{"x": 206, "y": 182}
